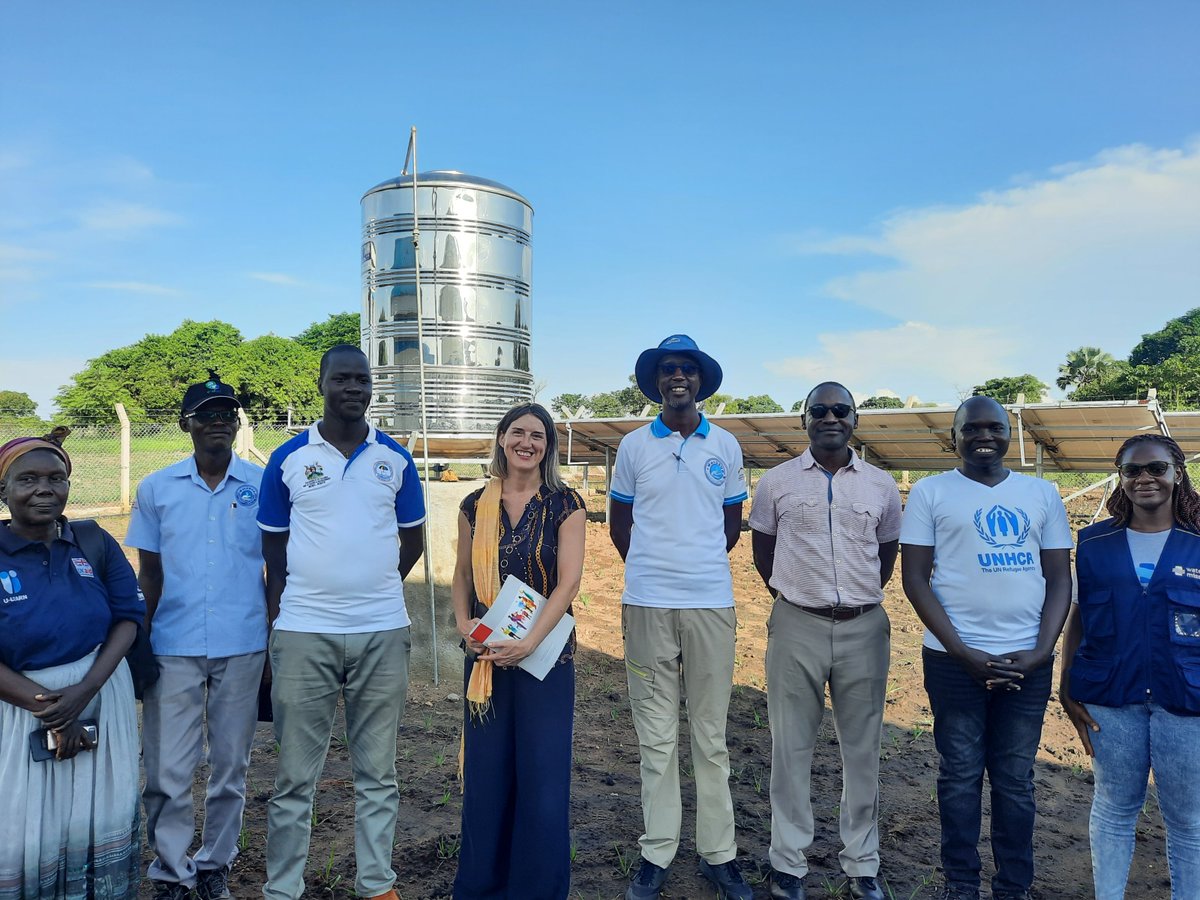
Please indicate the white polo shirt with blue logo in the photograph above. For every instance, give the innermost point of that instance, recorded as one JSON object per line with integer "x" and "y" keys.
{"x": 342, "y": 517}
{"x": 213, "y": 603}
{"x": 678, "y": 488}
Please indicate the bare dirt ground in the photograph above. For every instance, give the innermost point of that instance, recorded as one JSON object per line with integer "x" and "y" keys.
{"x": 606, "y": 814}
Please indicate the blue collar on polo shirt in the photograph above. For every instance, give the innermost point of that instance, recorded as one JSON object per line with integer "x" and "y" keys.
{"x": 660, "y": 429}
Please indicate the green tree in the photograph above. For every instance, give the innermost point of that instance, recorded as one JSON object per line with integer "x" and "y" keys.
{"x": 798, "y": 406}
{"x": 1180, "y": 335}
{"x": 16, "y": 405}
{"x": 1005, "y": 390}
{"x": 1084, "y": 366}
{"x": 150, "y": 376}
{"x": 713, "y": 402}
{"x": 627, "y": 401}
{"x": 339, "y": 328}
{"x": 271, "y": 373}
{"x": 564, "y": 402}
{"x": 881, "y": 402}
{"x": 756, "y": 403}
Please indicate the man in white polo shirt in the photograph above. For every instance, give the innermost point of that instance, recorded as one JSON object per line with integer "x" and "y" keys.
{"x": 334, "y": 499}
{"x": 677, "y": 495}
{"x": 200, "y": 567}
{"x": 826, "y": 528}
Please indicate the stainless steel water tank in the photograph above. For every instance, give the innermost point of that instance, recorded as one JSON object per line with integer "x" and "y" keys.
{"x": 474, "y": 303}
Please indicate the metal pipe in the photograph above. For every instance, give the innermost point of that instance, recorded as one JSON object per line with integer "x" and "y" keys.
{"x": 425, "y": 530}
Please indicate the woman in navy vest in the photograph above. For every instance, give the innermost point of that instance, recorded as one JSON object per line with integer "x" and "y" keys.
{"x": 1132, "y": 689}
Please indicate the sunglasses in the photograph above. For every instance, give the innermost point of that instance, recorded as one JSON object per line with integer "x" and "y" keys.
{"x": 820, "y": 410}
{"x": 208, "y": 416}
{"x": 1133, "y": 470}
{"x": 688, "y": 369}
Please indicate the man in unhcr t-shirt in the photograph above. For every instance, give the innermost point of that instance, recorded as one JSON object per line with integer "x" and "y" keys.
{"x": 986, "y": 557}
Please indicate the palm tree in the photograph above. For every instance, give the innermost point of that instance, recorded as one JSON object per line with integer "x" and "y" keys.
{"x": 1084, "y": 366}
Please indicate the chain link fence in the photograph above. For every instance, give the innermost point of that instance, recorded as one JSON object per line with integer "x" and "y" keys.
{"x": 103, "y": 480}
{"x": 99, "y": 482}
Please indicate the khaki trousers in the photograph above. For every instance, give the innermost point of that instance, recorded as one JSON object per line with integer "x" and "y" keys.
{"x": 806, "y": 651}
{"x": 671, "y": 653}
{"x": 369, "y": 671}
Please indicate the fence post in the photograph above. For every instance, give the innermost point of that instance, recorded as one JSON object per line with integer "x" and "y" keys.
{"x": 124, "y": 420}
{"x": 245, "y": 436}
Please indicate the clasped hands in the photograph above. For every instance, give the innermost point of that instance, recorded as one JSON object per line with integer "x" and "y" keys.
{"x": 61, "y": 717}
{"x": 1005, "y": 671}
{"x": 500, "y": 653}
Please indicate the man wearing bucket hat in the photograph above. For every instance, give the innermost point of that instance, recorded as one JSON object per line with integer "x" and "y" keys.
{"x": 201, "y": 569}
{"x": 677, "y": 494}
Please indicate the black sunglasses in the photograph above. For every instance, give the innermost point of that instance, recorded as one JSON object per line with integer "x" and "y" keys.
{"x": 1133, "y": 470}
{"x": 688, "y": 369}
{"x": 820, "y": 410}
{"x": 208, "y": 416}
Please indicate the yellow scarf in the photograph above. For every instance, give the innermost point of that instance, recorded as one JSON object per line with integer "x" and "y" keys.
{"x": 485, "y": 568}
{"x": 485, "y": 571}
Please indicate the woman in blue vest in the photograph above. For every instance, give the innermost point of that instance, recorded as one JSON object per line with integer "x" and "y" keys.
{"x": 1132, "y": 689}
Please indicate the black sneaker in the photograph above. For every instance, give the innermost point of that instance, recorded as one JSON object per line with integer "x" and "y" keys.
{"x": 171, "y": 890}
{"x": 648, "y": 883}
{"x": 213, "y": 884}
{"x": 727, "y": 879}
{"x": 959, "y": 892}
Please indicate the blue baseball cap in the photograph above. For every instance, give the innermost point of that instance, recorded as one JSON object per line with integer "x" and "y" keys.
{"x": 646, "y": 370}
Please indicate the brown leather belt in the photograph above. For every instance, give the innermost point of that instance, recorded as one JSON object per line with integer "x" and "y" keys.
{"x": 837, "y": 613}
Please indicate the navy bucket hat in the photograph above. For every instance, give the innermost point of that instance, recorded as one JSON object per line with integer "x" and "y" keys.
{"x": 646, "y": 370}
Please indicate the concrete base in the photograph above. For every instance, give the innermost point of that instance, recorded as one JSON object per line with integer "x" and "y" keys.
{"x": 442, "y": 499}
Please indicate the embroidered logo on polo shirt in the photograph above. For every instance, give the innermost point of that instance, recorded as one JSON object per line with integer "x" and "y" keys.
{"x": 383, "y": 472}
{"x": 10, "y": 581}
{"x": 83, "y": 567}
{"x": 247, "y": 495}
{"x": 314, "y": 475}
{"x": 714, "y": 471}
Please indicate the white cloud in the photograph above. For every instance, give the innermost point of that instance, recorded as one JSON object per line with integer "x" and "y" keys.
{"x": 118, "y": 219}
{"x": 277, "y": 278}
{"x": 911, "y": 353}
{"x": 19, "y": 263}
{"x": 135, "y": 287}
{"x": 1095, "y": 253}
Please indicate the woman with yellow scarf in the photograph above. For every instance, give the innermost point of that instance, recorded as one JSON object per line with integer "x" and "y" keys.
{"x": 517, "y": 730}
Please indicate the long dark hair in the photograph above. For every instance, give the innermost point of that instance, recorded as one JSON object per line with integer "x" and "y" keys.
{"x": 1185, "y": 502}
{"x": 498, "y": 467}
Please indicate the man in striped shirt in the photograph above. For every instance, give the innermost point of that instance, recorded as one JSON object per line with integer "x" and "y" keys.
{"x": 825, "y": 530}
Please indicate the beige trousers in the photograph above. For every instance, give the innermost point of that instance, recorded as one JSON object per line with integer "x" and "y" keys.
{"x": 805, "y": 652}
{"x": 669, "y": 654}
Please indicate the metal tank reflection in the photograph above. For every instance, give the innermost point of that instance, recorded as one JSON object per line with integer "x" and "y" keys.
{"x": 475, "y": 270}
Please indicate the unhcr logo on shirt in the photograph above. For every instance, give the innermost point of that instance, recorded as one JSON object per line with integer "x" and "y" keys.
{"x": 1005, "y": 530}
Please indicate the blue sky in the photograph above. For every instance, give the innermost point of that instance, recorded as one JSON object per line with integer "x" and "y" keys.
{"x": 909, "y": 198}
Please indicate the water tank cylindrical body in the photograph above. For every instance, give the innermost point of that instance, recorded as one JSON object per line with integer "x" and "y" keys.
{"x": 474, "y": 301}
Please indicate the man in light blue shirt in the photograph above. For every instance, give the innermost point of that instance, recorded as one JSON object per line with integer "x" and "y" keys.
{"x": 201, "y": 570}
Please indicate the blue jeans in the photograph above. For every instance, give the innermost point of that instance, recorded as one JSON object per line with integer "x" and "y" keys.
{"x": 974, "y": 730}
{"x": 1133, "y": 740}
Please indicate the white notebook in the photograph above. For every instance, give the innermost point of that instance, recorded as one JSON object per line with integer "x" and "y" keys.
{"x": 511, "y": 617}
